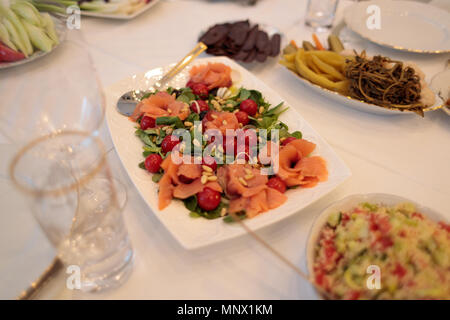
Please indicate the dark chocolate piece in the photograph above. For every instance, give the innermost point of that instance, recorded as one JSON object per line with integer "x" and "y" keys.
{"x": 275, "y": 42}
{"x": 251, "y": 39}
{"x": 214, "y": 34}
{"x": 262, "y": 40}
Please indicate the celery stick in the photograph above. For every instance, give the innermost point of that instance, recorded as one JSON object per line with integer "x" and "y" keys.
{"x": 4, "y": 37}
{"x": 38, "y": 37}
{"x": 49, "y": 26}
{"x": 26, "y": 13}
{"x": 14, "y": 36}
{"x": 12, "y": 17}
{"x": 49, "y": 7}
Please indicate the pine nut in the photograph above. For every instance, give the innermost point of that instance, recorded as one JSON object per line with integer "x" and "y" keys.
{"x": 206, "y": 168}
{"x": 242, "y": 181}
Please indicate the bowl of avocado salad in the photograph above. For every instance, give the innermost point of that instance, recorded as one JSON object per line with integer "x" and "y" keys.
{"x": 380, "y": 246}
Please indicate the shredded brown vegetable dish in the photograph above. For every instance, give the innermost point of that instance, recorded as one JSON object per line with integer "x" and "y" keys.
{"x": 384, "y": 82}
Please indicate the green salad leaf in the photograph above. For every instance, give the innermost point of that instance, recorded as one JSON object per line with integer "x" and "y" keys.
{"x": 229, "y": 219}
{"x": 186, "y": 95}
{"x": 195, "y": 211}
{"x": 175, "y": 121}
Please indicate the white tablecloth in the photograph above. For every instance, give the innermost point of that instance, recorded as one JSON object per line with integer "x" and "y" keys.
{"x": 405, "y": 155}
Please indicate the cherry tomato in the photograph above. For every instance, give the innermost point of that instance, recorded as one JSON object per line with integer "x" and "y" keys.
{"x": 190, "y": 84}
{"x": 249, "y": 106}
{"x": 242, "y": 117}
{"x": 168, "y": 143}
{"x": 287, "y": 140}
{"x": 354, "y": 295}
{"x": 209, "y": 162}
{"x": 277, "y": 183}
{"x": 147, "y": 122}
{"x": 200, "y": 106}
{"x": 153, "y": 162}
{"x": 208, "y": 199}
{"x": 200, "y": 90}
{"x": 444, "y": 226}
{"x": 399, "y": 271}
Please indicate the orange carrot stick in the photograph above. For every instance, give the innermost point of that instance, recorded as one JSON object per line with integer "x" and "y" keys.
{"x": 294, "y": 44}
{"x": 316, "y": 40}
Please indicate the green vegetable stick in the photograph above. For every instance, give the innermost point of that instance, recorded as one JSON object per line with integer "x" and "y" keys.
{"x": 14, "y": 36}
{"x": 49, "y": 27}
{"x": 11, "y": 16}
{"x": 50, "y": 7}
{"x": 4, "y": 37}
{"x": 26, "y": 13}
{"x": 38, "y": 37}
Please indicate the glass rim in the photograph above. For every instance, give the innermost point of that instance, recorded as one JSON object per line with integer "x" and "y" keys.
{"x": 64, "y": 189}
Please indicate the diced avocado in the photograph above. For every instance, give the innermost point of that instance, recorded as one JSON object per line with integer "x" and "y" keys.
{"x": 369, "y": 206}
{"x": 334, "y": 219}
{"x": 406, "y": 207}
{"x": 348, "y": 277}
{"x": 440, "y": 258}
{"x": 340, "y": 244}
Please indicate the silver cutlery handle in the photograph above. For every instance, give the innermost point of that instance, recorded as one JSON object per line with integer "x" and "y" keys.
{"x": 199, "y": 48}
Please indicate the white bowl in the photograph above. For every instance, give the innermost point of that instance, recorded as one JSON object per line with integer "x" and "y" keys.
{"x": 350, "y": 202}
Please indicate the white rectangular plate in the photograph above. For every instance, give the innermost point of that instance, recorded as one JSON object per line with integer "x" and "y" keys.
{"x": 194, "y": 233}
{"x": 119, "y": 16}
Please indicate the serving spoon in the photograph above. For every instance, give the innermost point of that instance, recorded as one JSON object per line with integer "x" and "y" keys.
{"x": 128, "y": 101}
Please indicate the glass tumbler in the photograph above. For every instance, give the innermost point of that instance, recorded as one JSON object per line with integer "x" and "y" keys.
{"x": 73, "y": 198}
{"x": 320, "y": 14}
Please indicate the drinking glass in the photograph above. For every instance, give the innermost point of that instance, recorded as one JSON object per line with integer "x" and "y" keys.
{"x": 320, "y": 14}
{"x": 73, "y": 197}
{"x": 52, "y": 110}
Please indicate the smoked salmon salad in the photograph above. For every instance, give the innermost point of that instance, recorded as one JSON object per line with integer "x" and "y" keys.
{"x": 222, "y": 149}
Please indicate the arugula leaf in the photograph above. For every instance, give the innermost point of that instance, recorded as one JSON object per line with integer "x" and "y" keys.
{"x": 170, "y": 121}
{"x": 229, "y": 219}
{"x": 244, "y": 94}
{"x": 297, "y": 134}
{"x": 142, "y": 165}
{"x": 151, "y": 148}
{"x": 186, "y": 95}
{"x": 275, "y": 111}
{"x": 192, "y": 205}
{"x": 156, "y": 177}
{"x": 193, "y": 214}
{"x": 151, "y": 131}
{"x": 145, "y": 138}
{"x": 270, "y": 117}
{"x": 192, "y": 117}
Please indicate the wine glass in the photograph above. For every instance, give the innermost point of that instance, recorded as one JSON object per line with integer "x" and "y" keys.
{"x": 52, "y": 109}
